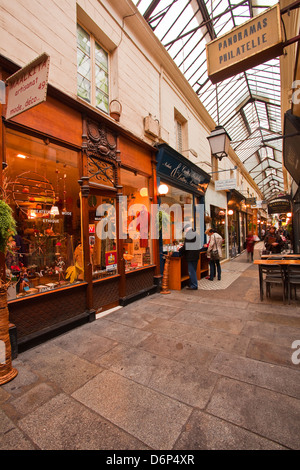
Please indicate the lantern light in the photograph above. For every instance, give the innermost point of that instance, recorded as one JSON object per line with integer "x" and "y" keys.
{"x": 144, "y": 192}
{"x": 219, "y": 142}
{"x": 163, "y": 189}
{"x": 230, "y": 212}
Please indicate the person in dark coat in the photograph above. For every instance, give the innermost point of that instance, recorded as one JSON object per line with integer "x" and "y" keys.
{"x": 273, "y": 241}
{"x": 190, "y": 250}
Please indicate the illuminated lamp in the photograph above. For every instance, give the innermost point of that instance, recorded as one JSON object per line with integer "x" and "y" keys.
{"x": 289, "y": 214}
{"x": 163, "y": 189}
{"x": 54, "y": 210}
{"x": 230, "y": 212}
{"x": 144, "y": 192}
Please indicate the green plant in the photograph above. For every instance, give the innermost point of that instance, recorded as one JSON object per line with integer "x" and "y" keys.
{"x": 162, "y": 220}
{"x": 7, "y": 225}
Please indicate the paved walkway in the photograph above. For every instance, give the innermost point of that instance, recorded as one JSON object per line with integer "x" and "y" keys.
{"x": 210, "y": 369}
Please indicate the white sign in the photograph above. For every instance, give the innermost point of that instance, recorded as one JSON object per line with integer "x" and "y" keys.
{"x": 221, "y": 185}
{"x": 28, "y": 86}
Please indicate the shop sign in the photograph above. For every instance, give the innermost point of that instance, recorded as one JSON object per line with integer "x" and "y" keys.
{"x": 28, "y": 86}
{"x": 110, "y": 260}
{"x": 221, "y": 185}
{"x": 250, "y": 201}
{"x": 279, "y": 206}
{"x": 180, "y": 171}
{"x": 250, "y": 44}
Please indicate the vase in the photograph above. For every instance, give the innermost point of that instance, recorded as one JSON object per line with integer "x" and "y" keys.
{"x": 7, "y": 372}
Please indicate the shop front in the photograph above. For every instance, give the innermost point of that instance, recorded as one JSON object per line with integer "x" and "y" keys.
{"x": 80, "y": 191}
{"x": 236, "y": 220}
{"x": 182, "y": 201}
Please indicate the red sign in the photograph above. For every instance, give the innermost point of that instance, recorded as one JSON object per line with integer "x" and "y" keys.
{"x": 28, "y": 86}
{"x": 110, "y": 260}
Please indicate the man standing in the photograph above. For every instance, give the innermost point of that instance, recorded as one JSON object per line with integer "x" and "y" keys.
{"x": 191, "y": 250}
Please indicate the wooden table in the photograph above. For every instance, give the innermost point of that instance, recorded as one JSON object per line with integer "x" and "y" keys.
{"x": 278, "y": 255}
{"x": 272, "y": 262}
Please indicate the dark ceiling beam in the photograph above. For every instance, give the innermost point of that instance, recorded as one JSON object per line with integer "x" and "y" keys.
{"x": 206, "y": 18}
{"x": 151, "y": 9}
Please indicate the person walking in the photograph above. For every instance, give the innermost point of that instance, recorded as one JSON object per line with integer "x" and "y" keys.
{"x": 214, "y": 253}
{"x": 190, "y": 250}
{"x": 250, "y": 246}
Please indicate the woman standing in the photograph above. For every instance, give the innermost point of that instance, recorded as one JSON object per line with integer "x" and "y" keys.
{"x": 214, "y": 253}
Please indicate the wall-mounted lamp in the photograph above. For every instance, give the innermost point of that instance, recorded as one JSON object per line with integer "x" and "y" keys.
{"x": 230, "y": 212}
{"x": 219, "y": 142}
{"x": 163, "y": 189}
{"x": 144, "y": 192}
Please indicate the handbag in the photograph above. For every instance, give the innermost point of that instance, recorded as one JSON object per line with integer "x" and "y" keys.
{"x": 214, "y": 254}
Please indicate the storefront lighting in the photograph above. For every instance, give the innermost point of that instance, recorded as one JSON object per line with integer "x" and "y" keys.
{"x": 54, "y": 210}
{"x": 163, "y": 189}
{"x": 219, "y": 142}
{"x": 289, "y": 214}
{"x": 144, "y": 192}
{"x": 230, "y": 212}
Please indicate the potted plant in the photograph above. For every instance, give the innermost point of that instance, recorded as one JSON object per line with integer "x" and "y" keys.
{"x": 7, "y": 230}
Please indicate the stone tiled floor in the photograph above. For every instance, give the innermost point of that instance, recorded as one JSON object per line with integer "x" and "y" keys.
{"x": 185, "y": 371}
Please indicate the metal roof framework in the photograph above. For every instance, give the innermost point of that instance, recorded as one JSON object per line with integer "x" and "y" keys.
{"x": 248, "y": 104}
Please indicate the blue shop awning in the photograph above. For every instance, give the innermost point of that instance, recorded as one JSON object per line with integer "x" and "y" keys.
{"x": 177, "y": 170}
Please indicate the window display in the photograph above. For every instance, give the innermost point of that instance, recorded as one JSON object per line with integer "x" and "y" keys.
{"x": 179, "y": 208}
{"x": 102, "y": 236}
{"x": 136, "y": 221}
{"x": 41, "y": 182}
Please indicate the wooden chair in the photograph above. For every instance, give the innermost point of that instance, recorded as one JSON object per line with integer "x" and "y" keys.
{"x": 274, "y": 275}
{"x": 293, "y": 280}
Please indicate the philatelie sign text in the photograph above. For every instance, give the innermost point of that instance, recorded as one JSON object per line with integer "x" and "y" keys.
{"x": 28, "y": 86}
{"x": 246, "y": 46}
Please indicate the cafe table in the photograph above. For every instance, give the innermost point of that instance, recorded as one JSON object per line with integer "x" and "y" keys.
{"x": 272, "y": 262}
{"x": 280, "y": 255}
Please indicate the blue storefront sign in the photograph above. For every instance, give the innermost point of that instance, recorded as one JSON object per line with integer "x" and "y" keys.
{"x": 172, "y": 167}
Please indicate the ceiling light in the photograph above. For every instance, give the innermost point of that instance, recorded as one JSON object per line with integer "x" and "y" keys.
{"x": 21, "y": 156}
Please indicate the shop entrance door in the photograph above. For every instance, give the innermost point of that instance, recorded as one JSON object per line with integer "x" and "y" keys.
{"x": 102, "y": 233}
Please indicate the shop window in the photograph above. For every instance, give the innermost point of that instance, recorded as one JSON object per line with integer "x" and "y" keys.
{"x": 136, "y": 220}
{"x": 43, "y": 193}
{"x": 218, "y": 223}
{"x": 92, "y": 71}
{"x": 177, "y": 207}
{"x": 102, "y": 236}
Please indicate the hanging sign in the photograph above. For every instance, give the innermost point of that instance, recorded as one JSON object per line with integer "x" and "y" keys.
{"x": 221, "y": 185}
{"x": 28, "y": 86}
{"x": 244, "y": 47}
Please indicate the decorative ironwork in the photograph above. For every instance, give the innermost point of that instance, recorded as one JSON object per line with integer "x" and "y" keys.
{"x": 102, "y": 153}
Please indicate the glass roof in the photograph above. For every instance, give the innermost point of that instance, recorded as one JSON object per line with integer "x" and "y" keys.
{"x": 248, "y": 104}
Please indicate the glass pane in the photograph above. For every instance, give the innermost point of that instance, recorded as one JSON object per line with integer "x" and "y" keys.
{"x": 102, "y": 101}
{"x": 44, "y": 196}
{"x": 136, "y": 221}
{"x": 101, "y": 80}
{"x": 83, "y": 64}
{"x": 178, "y": 205}
{"x": 83, "y": 88}
{"x": 83, "y": 40}
{"x": 102, "y": 236}
{"x": 101, "y": 57}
